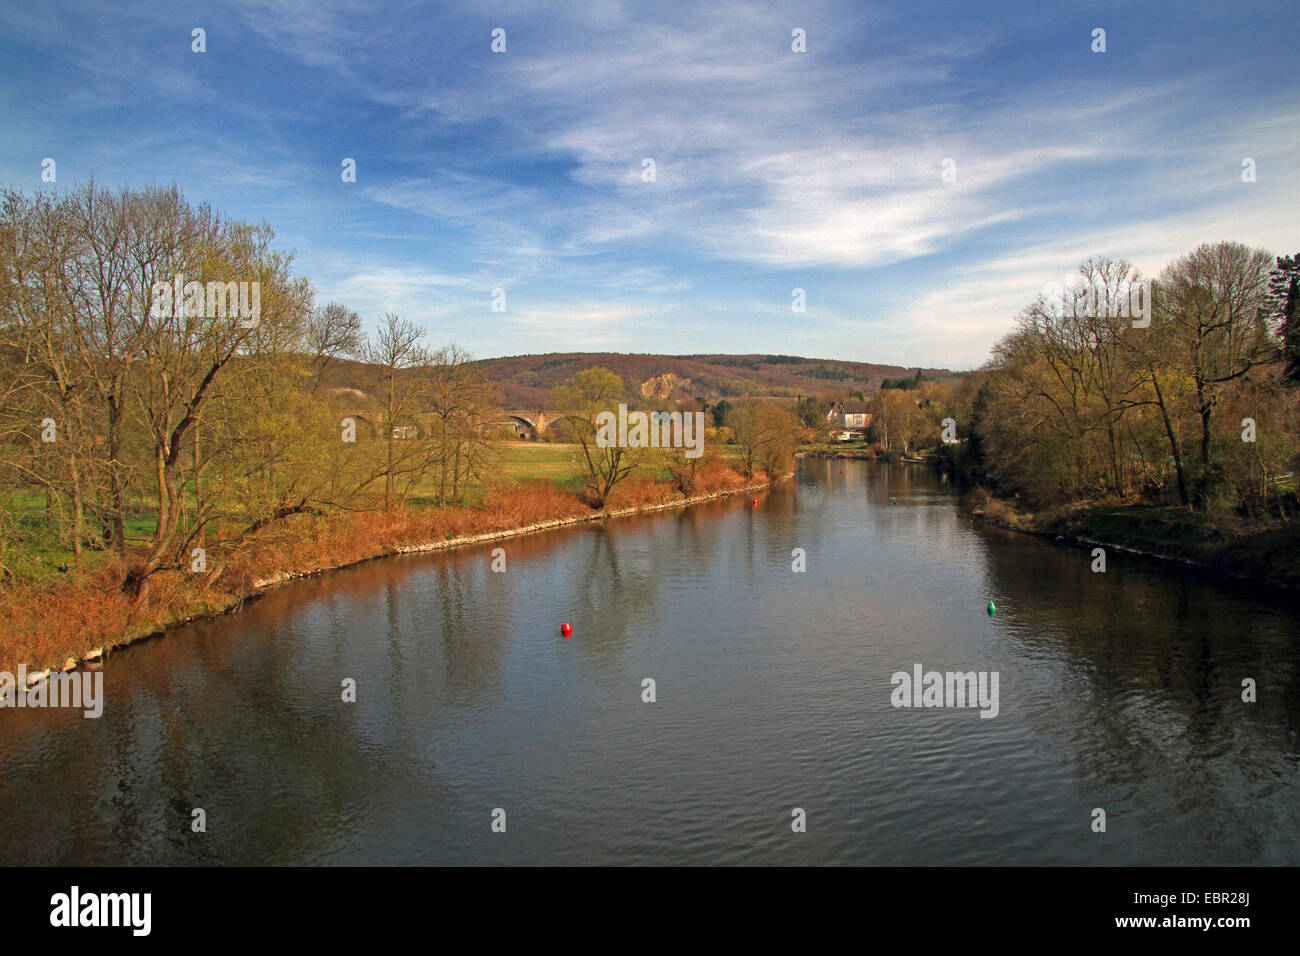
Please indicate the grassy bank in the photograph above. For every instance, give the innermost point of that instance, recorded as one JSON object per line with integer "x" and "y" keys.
{"x": 864, "y": 451}
{"x": 853, "y": 450}
{"x": 58, "y": 619}
{"x": 1263, "y": 554}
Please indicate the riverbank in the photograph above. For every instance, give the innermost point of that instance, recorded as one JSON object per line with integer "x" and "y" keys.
{"x": 1267, "y": 555}
{"x": 859, "y": 451}
{"x": 851, "y": 454}
{"x": 75, "y": 621}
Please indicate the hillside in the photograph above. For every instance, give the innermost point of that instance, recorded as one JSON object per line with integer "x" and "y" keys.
{"x": 526, "y": 380}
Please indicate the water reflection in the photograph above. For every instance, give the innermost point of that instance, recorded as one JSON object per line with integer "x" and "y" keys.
{"x": 1120, "y": 690}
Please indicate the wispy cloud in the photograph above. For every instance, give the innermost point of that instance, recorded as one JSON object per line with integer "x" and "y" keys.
{"x": 773, "y": 169}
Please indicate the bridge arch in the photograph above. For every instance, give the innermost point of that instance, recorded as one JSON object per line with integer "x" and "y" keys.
{"x": 522, "y": 426}
{"x": 533, "y": 423}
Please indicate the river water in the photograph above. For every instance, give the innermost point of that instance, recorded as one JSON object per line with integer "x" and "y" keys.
{"x": 1119, "y": 690}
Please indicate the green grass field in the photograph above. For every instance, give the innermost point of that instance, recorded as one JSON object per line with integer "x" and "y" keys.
{"x": 41, "y": 552}
{"x": 563, "y": 464}
{"x": 525, "y": 460}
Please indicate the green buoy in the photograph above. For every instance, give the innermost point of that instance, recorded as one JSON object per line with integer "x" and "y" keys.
{"x": 993, "y": 609}
{"x": 893, "y": 501}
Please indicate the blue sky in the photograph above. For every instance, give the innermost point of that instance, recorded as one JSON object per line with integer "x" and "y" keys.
{"x": 775, "y": 170}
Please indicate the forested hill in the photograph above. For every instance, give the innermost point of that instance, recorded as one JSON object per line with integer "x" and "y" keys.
{"x": 527, "y": 380}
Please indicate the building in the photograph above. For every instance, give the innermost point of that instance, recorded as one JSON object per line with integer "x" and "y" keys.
{"x": 848, "y": 421}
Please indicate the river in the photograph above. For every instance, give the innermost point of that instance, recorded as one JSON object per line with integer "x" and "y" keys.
{"x": 1119, "y": 690}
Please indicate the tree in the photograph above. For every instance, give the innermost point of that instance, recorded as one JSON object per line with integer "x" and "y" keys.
{"x": 150, "y": 392}
{"x": 898, "y": 419}
{"x": 1079, "y": 403}
{"x": 129, "y": 242}
{"x": 684, "y": 469}
{"x": 719, "y": 413}
{"x": 1215, "y": 300}
{"x": 1291, "y": 331}
{"x": 395, "y": 354}
{"x": 461, "y": 402}
{"x": 812, "y": 410}
{"x": 582, "y": 398}
{"x": 333, "y": 330}
{"x": 188, "y": 352}
{"x": 1152, "y": 353}
{"x": 1284, "y": 295}
{"x": 44, "y": 381}
{"x": 902, "y": 383}
{"x": 766, "y": 434}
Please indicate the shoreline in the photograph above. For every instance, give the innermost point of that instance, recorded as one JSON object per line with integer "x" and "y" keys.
{"x": 861, "y": 454}
{"x": 551, "y": 524}
{"x": 1247, "y": 556}
{"x": 97, "y": 656}
{"x": 1209, "y": 544}
{"x": 1254, "y": 569}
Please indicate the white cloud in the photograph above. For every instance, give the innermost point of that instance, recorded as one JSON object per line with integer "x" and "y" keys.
{"x": 959, "y": 322}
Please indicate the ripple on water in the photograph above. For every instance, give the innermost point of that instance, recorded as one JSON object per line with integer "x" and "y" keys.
{"x": 1118, "y": 691}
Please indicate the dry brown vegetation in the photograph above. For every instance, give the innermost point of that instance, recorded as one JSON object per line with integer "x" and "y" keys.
{"x": 44, "y": 623}
{"x": 171, "y": 443}
{"x": 1085, "y": 403}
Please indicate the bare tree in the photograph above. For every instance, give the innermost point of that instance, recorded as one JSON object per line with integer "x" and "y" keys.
{"x": 395, "y": 353}
{"x": 333, "y": 331}
{"x": 582, "y": 399}
{"x": 46, "y": 382}
{"x": 1215, "y": 299}
{"x": 187, "y": 355}
{"x": 765, "y": 433}
{"x": 461, "y": 403}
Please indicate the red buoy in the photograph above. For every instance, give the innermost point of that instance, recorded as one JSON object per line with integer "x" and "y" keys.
{"x": 566, "y": 629}
{"x": 755, "y": 501}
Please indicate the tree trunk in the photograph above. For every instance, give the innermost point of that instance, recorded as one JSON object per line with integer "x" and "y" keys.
{"x": 116, "y": 531}
{"x": 1173, "y": 443}
{"x": 78, "y": 519}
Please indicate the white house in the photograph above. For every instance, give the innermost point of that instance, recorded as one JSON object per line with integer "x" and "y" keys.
{"x": 848, "y": 420}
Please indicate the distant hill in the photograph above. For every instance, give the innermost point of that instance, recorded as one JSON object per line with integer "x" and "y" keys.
{"x": 526, "y": 380}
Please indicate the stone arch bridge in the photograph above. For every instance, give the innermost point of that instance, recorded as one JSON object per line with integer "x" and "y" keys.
{"x": 529, "y": 422}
